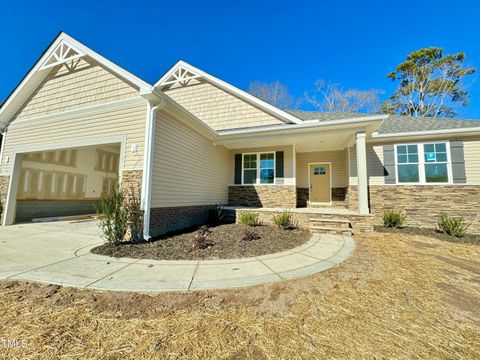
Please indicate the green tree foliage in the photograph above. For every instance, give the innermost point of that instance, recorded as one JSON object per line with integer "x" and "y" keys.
{"x": 430, "y": 84}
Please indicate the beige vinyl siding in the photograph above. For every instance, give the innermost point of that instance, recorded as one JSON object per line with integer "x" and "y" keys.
{"x": 219, "y": 109}
{"x": 336, "y": 158}
{"x": 472, "y": 161}
{"x": 187, "y": 168}
{"x": 128, "y": 120}
{"x": 375, "y": 170}
{"x": 63, "y": 89}
{"x": 287, "y": 158}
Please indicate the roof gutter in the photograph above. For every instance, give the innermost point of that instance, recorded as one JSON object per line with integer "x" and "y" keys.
{"x": 155, "y": 103}
{"x": 376, "y": 135}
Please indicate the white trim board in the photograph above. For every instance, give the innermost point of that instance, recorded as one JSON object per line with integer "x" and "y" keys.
{"x": 376, "y": 135}
{"x": 272, "y": 110}
{"x": 88, "y": 110}
{"x": 101, "y": 140}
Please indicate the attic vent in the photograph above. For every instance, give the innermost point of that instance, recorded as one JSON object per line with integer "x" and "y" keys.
{"x": 180, "y": 76}
{"x": 63, "y": 54}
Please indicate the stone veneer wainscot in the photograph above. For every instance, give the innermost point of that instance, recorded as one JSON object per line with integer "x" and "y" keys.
{"x": 284, "y": 196}
{"x": 4, "y": 180}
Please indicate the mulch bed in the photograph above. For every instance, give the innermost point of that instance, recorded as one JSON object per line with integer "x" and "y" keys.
{"x": 466, "y": 239}
{"x": 229, "y": 244}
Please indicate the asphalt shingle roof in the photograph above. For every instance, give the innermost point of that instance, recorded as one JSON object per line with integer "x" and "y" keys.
{"x": 394, "y": 123}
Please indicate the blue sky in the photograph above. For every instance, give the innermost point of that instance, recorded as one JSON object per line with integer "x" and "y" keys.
{"x": 355, "y": 43}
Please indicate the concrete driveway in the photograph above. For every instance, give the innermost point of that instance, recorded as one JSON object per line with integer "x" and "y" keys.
{"x": 59, "y": 253}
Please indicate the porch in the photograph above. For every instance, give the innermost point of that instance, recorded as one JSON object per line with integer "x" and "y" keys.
{"x": 319, "y": 169}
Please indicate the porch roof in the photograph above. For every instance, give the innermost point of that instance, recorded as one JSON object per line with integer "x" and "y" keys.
{"x": 309, "y": 136}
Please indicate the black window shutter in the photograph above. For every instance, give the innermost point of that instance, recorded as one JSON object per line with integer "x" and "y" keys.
{"x": 458, "y": 162}
{"x": 238, "y": 169}
{"x": 279, "y": 164}
{"x": 389, "y": 164}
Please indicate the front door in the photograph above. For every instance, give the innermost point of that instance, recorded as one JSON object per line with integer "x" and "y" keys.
{"x": 320, "y": 183}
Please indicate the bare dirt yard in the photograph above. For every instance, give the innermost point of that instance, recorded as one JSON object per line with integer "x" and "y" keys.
{"x": 228, "y": 241}
{"x": 398, "y": 296}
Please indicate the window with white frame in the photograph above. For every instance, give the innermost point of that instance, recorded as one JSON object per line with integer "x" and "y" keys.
{"x": 423, "y": 163}
{"x": 258, "y": 168}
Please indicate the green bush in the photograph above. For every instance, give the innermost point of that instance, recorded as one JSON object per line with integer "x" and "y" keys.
{"x": 248, "y": 218}
{"x": 216, "y": 215}
{"x": 134, "y": 215}
{"x": 284, "y": 220}
{"x": 114, "y": 216}
{"x": 455, "y": 226}
{"x": 393, "y": 218}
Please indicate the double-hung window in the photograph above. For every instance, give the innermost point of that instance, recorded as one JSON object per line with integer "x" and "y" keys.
{"x": 258, "y": 168}
{"x": 423, "y": 163}
{"x": 436, "y": 163}
{"x": 408, "y": 164}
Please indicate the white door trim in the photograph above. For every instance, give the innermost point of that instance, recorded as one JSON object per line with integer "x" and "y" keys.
{"x": 330, "y": 169}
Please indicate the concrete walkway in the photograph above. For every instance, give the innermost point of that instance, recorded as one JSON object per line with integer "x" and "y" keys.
{"x": 59, "y": 253}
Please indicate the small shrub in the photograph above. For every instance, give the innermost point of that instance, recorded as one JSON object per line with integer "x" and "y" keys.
{"x": 248, "y": 218}
{"x": 134, "y": 215}
{"x": 113, "y": 215}
{"x": 393, "y": 218}
{"x": 216, "y": 215}
{"x": 284, "y": 220}
{"x": 250, "y": 235}
{"x": 201, "y": 239}
{"x": 455, "y": 226}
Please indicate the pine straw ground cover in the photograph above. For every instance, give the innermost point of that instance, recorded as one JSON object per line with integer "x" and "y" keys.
{"x": 398, "y": 296}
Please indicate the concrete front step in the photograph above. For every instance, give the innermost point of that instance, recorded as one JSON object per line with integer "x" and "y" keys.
{"x": 330, "y": 230}
{"x": 329, "y": 220}
{"x": 330, "y": 223}
{"x": 330, "y": 226}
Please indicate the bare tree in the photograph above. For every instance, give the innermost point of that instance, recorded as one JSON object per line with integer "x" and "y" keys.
{"x": 332, "y": 97}
{"x": 274, "y": 93}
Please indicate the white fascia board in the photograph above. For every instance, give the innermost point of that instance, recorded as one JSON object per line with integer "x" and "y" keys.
{"x": 35, "y": 71}
{"x": 376, "y": 135}
{"x": 317, "y": 125}
{"x": 142, "y": 85}
{"x": 272, "y": 110}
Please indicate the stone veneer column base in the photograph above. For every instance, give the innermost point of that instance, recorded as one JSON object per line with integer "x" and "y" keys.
{"x": 351, "y": 197}
{"x": 132, "y": 181}
{"x": 4, "y": 180}
{"x": 284, "y": 196}
{"x": 338, "y": 196}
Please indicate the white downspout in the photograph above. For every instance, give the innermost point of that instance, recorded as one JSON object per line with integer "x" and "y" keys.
{"x": 148, "y": 165}
{"x": 2, "y": 147}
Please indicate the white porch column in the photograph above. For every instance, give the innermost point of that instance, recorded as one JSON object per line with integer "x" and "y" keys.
{"x": 362, "y": 173}
{"x": 294, "y": 165}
